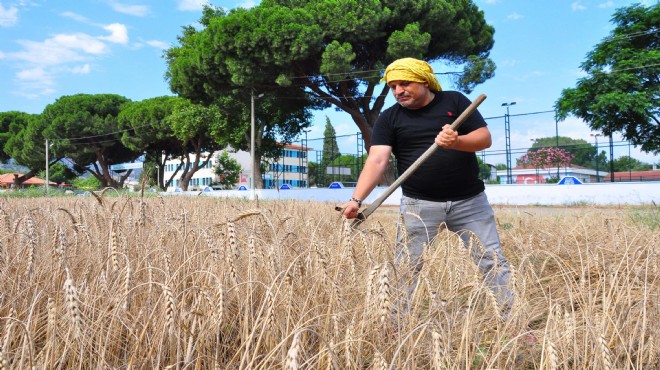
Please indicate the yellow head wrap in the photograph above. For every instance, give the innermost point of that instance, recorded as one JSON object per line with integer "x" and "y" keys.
{"x": 411, "y": 69}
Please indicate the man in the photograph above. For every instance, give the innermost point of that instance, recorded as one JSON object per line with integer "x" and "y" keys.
{"x": 446, "y": 188}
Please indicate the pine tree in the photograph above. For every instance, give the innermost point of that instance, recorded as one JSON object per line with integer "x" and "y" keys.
{"x": 330, "y": 152}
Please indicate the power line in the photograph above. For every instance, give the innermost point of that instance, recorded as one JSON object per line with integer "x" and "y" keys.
{"x": 100, "y": 135}
{"x": 631, "y": 36}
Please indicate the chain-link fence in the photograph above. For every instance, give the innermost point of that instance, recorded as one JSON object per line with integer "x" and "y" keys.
{"x": 604, "y": 158}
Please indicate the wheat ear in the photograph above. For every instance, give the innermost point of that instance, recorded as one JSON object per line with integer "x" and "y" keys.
{"x": 292, "y": 362}
{"x": 72, "y": 305}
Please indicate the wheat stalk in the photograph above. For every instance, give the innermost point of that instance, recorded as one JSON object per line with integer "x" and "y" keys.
{"x": 553, "y": 360}
{"x": 292, "y": 354}
{"x": 438, "y": 357}
{"x": 220, "y": 304}
{"x": 605, "y": 353}
{"x": 72, "y": 306}
{"x": 61, "y": 246}
{"x": 384, "y": 294}
{"x": 170, "y": 310}
{"x": 349, "y": 339}
{"x": 114, "y": 248}
{"x": 127, "y": 287}
{"x": 379, "y": 361}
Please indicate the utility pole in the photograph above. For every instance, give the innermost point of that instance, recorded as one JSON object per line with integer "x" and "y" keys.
{"x": 252, "y": 133}
{"x": 507, "y": 135}
{"x": 47, "y": 167}
{"x": 556, "y": 129}
{"x": 597, "y": 159}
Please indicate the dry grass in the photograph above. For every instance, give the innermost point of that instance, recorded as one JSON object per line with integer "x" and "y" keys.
{"x": 199, "y": 283}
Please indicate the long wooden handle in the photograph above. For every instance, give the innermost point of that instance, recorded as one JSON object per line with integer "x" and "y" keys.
{"x": 454, "y": 126}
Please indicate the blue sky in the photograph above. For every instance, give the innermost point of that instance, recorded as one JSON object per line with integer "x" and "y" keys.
{"x": 53, "y": 48}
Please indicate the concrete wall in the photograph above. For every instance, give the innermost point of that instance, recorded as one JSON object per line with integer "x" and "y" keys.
{"x": 630, "y": 193}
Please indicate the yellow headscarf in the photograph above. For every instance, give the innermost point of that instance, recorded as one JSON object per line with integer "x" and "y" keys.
{"x": 411, "y": 69}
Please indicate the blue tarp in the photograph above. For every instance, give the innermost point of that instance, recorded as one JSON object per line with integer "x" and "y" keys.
{"x": 569, "y": 180}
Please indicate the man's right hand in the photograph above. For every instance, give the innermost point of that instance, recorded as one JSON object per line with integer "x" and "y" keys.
{"x": 350, "y": 210}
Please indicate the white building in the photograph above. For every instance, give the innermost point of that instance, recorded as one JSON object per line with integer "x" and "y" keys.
{"x": 290, "y": 169}
{"x": 530, "y": 175}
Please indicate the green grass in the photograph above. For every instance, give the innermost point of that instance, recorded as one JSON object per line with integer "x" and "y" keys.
{"x": 649, "y": 217}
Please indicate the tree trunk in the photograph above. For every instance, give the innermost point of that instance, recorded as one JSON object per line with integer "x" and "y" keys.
{"x": 257, "y": 175}
{"x": 190, "y": 170}
{"x": 362, "y": 114}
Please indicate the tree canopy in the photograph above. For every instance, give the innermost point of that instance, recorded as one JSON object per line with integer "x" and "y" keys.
{"x": 84, "y": 129}
{"x": 333, "y": 50}
{"x": 10, "y": 124}
{"x": 584, "y": 153}
{"x": 622, "y": 89}
{"x": 228, "y": 170}
{"x": 25, "y": 142}
{"x": 145, "y": 128}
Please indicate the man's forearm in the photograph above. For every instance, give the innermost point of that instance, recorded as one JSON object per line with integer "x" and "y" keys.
{"x": 371, "y": 175}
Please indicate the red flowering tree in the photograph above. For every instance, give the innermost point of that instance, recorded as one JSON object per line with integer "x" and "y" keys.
{"x": 550, "y": 157}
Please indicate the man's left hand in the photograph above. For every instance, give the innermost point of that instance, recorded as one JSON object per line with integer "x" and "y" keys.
{"x": 447, "y": 138}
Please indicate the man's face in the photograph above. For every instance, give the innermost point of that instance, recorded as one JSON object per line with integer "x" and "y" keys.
{"x": 411, "y": 95}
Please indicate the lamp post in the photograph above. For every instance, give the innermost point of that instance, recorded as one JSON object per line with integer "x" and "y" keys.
{"x": 556, "y": 129}
{"x": 507, "y": 136}
{"x": 597, "y": 172}
{"x": 47, "y": 168}
{"x": 252, "y": 99}
{"x": 629, "y": 163}
{"x": 306, "y": 157}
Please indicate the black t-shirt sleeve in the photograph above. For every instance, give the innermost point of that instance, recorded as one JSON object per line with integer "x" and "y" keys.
{"x": 383, "y": 133}
{"x": 475, "y": 121}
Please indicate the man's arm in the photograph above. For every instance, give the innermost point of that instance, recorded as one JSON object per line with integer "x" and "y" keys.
{"x": 474, "y": 141}
{"x": 372, "y": 173}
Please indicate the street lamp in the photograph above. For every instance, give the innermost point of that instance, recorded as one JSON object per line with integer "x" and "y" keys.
{"x": 597, "y": 173}
{"x": 507, "y": 137}
{"x": 306, "y": 161}
{"x": 556, "y": 129}
{"x": 47, "y": 184}
{"x": 252, "y": 99}
{"x": 47, "y": 160}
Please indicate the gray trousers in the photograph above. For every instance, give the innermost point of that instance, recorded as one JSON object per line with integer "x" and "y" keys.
{"x": 422, "y": 219}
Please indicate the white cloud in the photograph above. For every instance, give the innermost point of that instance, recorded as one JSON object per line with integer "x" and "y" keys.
{"x": 2, "y": 55}
{"x": 528, "y": 76}
{"x": 508, "y": 63}
{"x": 81, "y": 70}
{"x": 247, "y": 4}
{"x": 514, "y": 16}
{"x": 157, "y": 44}
{"x": 34, "y": 82}
{"x": 79, "y": 41}
{"x": 75, "y": 16}
{"x": 577, "y": 6}
{"x": 578, "y": 73}
{"x": 191, "y": 5}
{"x": 40, "y": 62}
{"x": 135, "y": 10}
{"x": 118, "y": 33}
{"x": 8, "y": 16}
{"x": 35, "y": 74}
{"x": 60, "y": 49}
{"x": 491, "y": 1}
{"x": 607, "y": 4}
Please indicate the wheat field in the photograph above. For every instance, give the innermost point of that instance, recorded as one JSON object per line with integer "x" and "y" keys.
{"x": 200, "y": 283}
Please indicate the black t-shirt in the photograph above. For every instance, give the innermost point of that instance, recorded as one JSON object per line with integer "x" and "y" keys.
{"x": 447, "y": 175}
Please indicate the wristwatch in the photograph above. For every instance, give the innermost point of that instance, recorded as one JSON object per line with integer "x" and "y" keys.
{"x": 356, "y": 200}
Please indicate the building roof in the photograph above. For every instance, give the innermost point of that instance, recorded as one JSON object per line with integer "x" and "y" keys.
{"x": 8, "y": 178}
{"x": 297, "y": 147}
{"x": 637, "y": 175}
